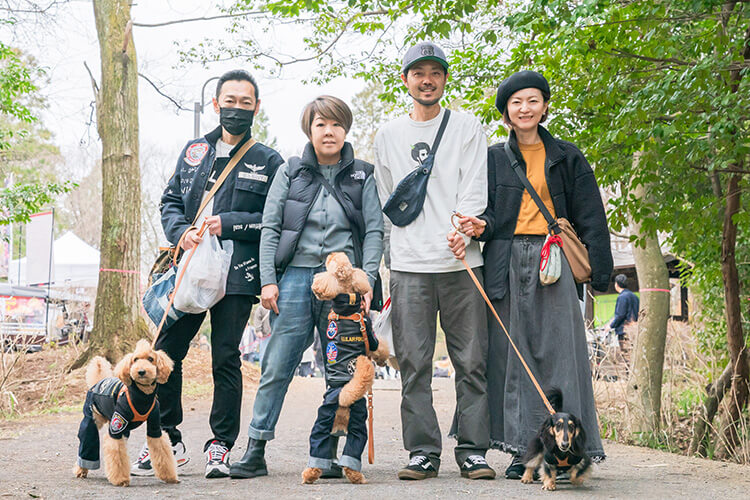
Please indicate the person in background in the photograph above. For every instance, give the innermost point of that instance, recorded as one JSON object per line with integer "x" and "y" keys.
{"x": 626, "y": 312}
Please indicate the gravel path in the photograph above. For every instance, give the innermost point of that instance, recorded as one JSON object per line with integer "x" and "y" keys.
{"x": 39, "y": 455}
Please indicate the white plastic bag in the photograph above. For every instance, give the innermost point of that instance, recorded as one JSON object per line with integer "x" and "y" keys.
{"x": 382, "y": 328}
{"x": 205, "y": 279}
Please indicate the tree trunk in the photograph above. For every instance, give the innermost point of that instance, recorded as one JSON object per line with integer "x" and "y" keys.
{"x": 644, "y": 384}
{"x": 735, "y": 337}
{"x": 117, "y": 320}
{"x": 703, "y": 421}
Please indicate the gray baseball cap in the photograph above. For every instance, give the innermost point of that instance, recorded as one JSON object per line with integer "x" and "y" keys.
{"x": 424, "y": 51}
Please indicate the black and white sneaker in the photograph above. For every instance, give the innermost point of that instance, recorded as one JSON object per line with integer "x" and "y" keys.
{"x": 217, "y": 460}
{"x": 516, "y": 468}
{"x": 419, "y": 467}
{"x": 142, "y": 466}
{"x": 475, "y": 467}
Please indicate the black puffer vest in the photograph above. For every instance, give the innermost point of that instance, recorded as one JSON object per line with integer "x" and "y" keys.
{"x": 304, "y": 185}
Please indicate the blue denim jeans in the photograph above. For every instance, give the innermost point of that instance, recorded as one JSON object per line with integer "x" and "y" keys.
{"x": 322, "y": 442}
{"x": 291, "y": 334}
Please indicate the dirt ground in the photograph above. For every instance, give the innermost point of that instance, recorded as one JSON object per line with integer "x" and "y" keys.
{"x": 40, "y": 453}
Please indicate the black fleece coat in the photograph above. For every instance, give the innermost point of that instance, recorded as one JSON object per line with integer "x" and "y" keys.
{"x": 575, "y": 196}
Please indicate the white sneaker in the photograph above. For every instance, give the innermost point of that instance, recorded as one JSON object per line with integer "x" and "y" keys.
{"x": 217, "y": 460}
{"x": 142, "y": 466}
{"x": 180, "y": 454}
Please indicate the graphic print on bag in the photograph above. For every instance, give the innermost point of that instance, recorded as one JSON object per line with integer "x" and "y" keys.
{"x": 332, "y": 352}
{"x": 332, "y": 330}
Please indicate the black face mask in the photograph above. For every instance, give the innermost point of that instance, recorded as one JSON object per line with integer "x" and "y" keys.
{"x": 236, "y": 121}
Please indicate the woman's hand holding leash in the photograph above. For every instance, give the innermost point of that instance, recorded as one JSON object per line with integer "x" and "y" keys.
{"x": 471, "y": 226}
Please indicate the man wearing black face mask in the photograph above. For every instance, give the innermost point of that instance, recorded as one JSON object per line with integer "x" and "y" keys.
{"x": 234, "y": 213}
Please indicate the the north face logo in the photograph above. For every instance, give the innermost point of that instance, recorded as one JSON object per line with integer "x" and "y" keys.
{"x": 428, "y": 50}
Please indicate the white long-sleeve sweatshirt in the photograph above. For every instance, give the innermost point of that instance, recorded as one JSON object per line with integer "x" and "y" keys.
{"x": 458, "y": 182}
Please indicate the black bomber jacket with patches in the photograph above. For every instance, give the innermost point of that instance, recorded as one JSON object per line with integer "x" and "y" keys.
{"x": 239, "y": 202}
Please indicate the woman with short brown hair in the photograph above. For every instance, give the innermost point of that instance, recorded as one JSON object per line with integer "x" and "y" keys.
{"x": 303, "y": 222}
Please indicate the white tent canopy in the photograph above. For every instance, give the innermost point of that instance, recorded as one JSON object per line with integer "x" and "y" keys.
{"x": 75, "y": 264}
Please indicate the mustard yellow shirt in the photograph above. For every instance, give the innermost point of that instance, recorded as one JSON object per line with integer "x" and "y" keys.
{"x": 530, "y": 218}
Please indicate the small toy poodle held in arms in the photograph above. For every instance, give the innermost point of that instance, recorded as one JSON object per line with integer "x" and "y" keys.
{"x": 124, "y": 402}
{"x": 349, "y": 345}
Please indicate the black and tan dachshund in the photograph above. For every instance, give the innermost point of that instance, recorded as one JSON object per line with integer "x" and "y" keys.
{"x": 559, "y": 446}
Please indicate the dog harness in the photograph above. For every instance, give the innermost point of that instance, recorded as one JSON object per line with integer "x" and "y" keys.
{"x": 126, "y": 407}
{"x": 561, "y": 461}
{"x": 348, "y": 335}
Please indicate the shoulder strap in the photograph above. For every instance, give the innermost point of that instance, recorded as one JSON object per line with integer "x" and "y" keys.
{"x": 227, "y": 170}
{"x": 439, "y": 136}
{"x": 294, "y": 165}
{"x": 356, "y": 229}
{"x": 551, "y": 222}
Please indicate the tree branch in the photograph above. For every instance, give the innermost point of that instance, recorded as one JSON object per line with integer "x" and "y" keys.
{"x": 158, "y": 90}
{"x": 625, "y": 53}
{"x": 295, "y": 60}
{"x": 93, "y": 80}
{"x": 205, "y": 18}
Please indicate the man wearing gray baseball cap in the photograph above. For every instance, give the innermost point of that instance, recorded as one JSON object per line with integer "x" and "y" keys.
{"x": 427, "y": 277}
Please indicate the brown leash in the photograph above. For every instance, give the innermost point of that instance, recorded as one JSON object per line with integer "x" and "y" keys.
{"x": 497, "y": 317}
{"x": 359, "y": 317}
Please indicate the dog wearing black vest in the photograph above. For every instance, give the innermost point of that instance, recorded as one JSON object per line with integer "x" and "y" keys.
{"x": 560, "y": 446}
{"x": 348, "y": 341}
{"x": 124, "y": 400}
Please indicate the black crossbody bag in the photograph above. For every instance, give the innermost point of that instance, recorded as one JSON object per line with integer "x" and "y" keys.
{"x": 406, "y": 201}
{"x": 358, "y": 236}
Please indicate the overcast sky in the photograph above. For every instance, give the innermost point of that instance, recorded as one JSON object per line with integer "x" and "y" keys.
{"x": 62, "y": 49}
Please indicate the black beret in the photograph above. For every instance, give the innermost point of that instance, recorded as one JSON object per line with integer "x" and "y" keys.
{"x": 519, "y": 81}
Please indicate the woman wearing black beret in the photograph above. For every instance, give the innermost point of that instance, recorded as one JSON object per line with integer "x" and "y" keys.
{"x": 545, "y": 321}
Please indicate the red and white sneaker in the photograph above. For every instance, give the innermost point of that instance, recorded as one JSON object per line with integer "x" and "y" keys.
{"x": 142, "y": 466}
{"x": 217, "y": 460}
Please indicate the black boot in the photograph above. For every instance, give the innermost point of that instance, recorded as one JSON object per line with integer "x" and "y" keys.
{"x": 335, "y": 471}
{"x": 252, "y": 463}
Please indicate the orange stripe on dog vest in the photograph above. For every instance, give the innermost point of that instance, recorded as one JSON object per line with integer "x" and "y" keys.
{"x": 137, "y": 417}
